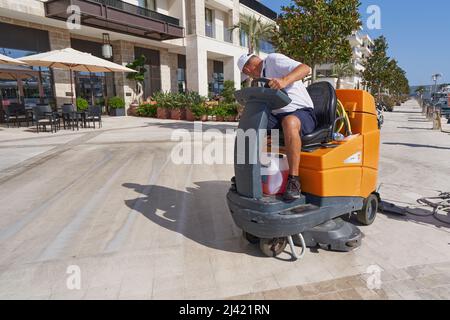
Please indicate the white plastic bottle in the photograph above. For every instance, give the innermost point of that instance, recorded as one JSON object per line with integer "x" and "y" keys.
{"x": 274, "y": 173}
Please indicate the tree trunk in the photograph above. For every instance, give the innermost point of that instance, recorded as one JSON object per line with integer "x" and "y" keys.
{"x": 338, "y": 83}
{"x": 140, "y": 92}
{"x": 314, "y": 73}
{"x": 250, "y": 45}
{"x": 379, "y": 94}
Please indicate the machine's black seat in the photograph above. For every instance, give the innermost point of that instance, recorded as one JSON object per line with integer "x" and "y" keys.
{"x": 324, "y": 98}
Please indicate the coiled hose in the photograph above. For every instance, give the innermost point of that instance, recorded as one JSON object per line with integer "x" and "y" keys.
{"x": 343, "y": 118}
{"x": 441, "y": 207}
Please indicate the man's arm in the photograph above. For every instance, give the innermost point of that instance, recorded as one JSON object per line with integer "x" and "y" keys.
{"x": 297, "y": 74}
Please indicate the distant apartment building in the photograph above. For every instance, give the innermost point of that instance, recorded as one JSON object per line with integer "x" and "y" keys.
{"x": 361, "y": 49}
{"x": 188, "y": 44}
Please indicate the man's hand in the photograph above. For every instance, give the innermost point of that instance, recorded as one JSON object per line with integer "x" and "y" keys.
{"x": 278, "y": 84}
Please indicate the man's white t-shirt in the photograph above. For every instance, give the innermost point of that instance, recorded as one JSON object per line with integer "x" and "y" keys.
{"x": 277, "y": 65}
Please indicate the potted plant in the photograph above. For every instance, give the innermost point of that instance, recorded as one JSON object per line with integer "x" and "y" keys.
{"x": 100, "y": 102}
{"x": 116, "y": 106}
{"x": 220, "y": 112}
{"x": 82, "y": 104}
{"x": 162, "y": 112}
{"x": 177, "y": 105}
{"x": 200, "y": 111}
{"x": 231, "y": 112}
{"x": 193, "y": 101}
{"x": 147, "y": 109}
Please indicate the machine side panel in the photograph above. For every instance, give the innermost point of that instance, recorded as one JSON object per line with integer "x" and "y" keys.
{"x": 357, "y": 101}
{"x": 372, "y": 150}
{"x": 342, "y": 182}
{"x": 369, "y": 182}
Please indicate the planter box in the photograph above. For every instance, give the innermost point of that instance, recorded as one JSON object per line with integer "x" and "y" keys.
{"x": 177, "y": 114}
{"x": 230, "y": 118}
{"x": 189, "y": 115}
{"x": 117, "y": 112}
{"x": 132, "y": 110}
{"x": 162, "y": 113}
{"x": 220, "y": 119}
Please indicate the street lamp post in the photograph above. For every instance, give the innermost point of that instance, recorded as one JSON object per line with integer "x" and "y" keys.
{"x": 435, "y": 78}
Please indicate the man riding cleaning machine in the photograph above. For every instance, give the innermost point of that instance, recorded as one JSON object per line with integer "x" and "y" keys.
{"x": 296, "y": 119}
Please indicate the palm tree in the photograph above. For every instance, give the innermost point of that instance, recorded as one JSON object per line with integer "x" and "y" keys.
{"x": 256, "y": 31}
{"x": 342, "y": 71}
{"x": 420, "y": 90}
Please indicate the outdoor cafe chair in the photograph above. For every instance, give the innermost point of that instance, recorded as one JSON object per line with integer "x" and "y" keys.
{"x": 94, "y": 114}
{"x": 44, "y": 116}
{"x": 16, "y": 113}
{"x": 70, "y": 116}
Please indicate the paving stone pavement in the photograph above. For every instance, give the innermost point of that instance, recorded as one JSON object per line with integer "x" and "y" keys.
{"x": 139, "y": 226}
{"x": 425, "y": 282}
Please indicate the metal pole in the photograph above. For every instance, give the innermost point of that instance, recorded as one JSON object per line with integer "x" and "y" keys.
{"x": 71, "y": 85}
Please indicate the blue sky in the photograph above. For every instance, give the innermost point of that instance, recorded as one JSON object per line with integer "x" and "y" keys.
{"x": 418, "y": 34}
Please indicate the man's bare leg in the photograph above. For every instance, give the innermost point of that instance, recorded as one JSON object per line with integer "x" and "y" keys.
{"x": 293, "y": 144}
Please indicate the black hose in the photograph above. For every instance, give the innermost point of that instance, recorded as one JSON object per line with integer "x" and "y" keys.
{"x": 440, "y": 207}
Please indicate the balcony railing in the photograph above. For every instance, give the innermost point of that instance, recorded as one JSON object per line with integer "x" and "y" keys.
{"x": 130, "y": 8}
{"x": 260, "y": 8}
{"x": 119, "y": 16}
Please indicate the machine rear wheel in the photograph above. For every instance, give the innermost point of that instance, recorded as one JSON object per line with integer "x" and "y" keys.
{"x": 369, "y": 212}
{"x": 250, "y": 238}
{"x": 273, "y": 247}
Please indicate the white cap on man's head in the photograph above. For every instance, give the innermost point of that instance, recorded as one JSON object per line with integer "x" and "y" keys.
{"x": 242, "y": 62}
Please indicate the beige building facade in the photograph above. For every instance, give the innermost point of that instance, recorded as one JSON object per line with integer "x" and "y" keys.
{"x": 187, "y": 44}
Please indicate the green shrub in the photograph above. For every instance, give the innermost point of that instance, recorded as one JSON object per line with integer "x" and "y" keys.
{"x": 147, "y": 110}
{"x": 116, "y": 103}
{"x": 199, "y": 110}
{"x": 389, "y": 102}
{"x": 226, "y": 109}
{"x": 228, "y": 91}
{"x": 220, "y": 110}
{"x": 82, "y": 104}
{"x": 232, "y": 109}
{"x": 169, "y": 100}
{"x": 194, "y": 98}
{"x": 100, "y": 102}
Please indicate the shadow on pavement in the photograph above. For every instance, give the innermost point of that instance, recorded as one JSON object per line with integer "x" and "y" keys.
{"x": 200, "y": 213}
{"x": 413, "y": 145}
{"x": 418, "y": 215}
{"x": 415, "y": 128}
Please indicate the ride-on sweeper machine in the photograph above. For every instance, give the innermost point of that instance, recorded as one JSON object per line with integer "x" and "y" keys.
{"x": 339, "y": 178}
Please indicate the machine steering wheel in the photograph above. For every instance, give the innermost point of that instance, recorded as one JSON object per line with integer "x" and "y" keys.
{"x": 265, "y": 81}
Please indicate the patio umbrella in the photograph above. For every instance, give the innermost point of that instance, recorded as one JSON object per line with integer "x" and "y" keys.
{"x": 8, "y": 72}
{"x": 7, "y": 60}
{"x": 74, "y": 60}
{"x": 17, "y": 73}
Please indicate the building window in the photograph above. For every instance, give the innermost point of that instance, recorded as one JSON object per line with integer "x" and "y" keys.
{"x": 266, "y": 46}
{"x": 27, "y": 85}
{"x": 243, "y": 38}
{"x": 94, "y": 87}
{"x": 209, "y": 23}
{"x": 216, "y": 87}
{"x": 147, "y": 4}
{"x": 151, "y": 4}
{"x": 181, "y": 73}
